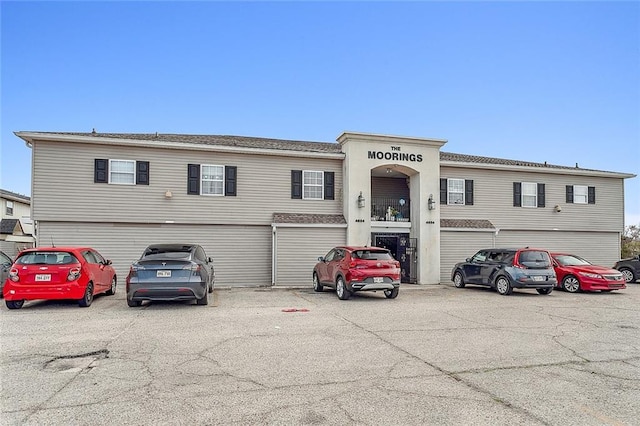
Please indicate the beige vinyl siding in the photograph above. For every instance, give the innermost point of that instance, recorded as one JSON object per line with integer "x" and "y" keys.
{"x": 456, "y": 246}
{"x": 241, "y": 254}
{"x": 298, "y": 250}
{"x": 65, "y": 189}
{"x": 601, "y": 248}
{"x": 493, "y": 200}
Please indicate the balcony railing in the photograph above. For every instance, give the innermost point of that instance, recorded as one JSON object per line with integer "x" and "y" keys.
{"x": 390, "y": 209}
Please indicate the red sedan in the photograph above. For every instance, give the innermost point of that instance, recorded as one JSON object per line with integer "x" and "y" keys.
{"x": 577, "y": 274}
{"x": 58, "y": 273}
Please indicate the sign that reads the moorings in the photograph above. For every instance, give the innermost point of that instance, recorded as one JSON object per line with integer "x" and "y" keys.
{"x": 395, "y": 155}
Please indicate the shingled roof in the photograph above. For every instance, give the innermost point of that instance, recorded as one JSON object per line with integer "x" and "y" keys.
{"x": 7, "y": 226}
{"x": 309, "y": 218}
{"x": 288, "y": 145}
{"x": 466, "y": 223}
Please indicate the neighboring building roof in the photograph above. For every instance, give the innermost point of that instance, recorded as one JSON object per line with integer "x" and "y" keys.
{"x": 467, "y": 224}
{"x": 8, "y": 225}
{"x": 283, "y": 145}
{"x": 309, "y": 218}
{"x": 14, "y": 196}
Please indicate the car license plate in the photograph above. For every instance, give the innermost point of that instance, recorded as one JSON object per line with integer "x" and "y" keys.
{"x": 43, "y": 277}
{"x": 538, "y": 278}
{"x": 378, "y": 279}
{"x": 163, "y": 274}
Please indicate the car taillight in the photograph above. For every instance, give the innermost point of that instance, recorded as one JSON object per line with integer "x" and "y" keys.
{"x": 195, "y": 269}
{"x": 13, "y": 275}
{"x": 357, "y": 265}
{"x": 74, "y": 274}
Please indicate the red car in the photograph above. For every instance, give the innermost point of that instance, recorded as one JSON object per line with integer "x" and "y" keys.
{"x": 350, "y": 269}
{"x": 576, "y": 274}
{"x": 58, "y": 273}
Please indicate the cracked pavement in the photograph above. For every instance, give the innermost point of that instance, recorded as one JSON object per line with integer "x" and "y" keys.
{"x": 435, "y": 355}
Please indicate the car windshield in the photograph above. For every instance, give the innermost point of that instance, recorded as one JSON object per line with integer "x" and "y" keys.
{"x": 570, "y": 260}
{"x": 372, "y": 255}
{"x": 177, "y": 255}
{"x": 534, "y": 258}
{"x": 46, "y": 258}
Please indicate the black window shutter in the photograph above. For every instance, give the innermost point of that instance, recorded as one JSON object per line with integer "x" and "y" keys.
{"x": 517, "y": 194}
{"x": 570, "y": 194}
{"x": 591, "y": 194}
{"x": 142, "y": 173}
{"x": 230, "y": 179}
{"x": 193, "y": 179}
{"x": 443, "y": 191}
{"x": 329, "y": 185}
{"x": 468, "y": 192}
{"x": 541, "y": 202}
{"x": 296, "y": 184}
{"x": 101, "y": 171}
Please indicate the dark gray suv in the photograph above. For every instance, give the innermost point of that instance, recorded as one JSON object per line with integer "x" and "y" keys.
{"x": 630, "y": 268}
{"x": 506, "y": 269}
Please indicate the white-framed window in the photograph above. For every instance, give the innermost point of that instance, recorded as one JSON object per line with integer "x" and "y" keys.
{"x": 580, "y": 194}
{"x": 122, "y": 172}
{"x": 212, "y": 179}
{"x": 529, "y": 194}
{"x": 9, "y": 208}
{"x": 455, "y": 191}
{"x": 312, "y": 185}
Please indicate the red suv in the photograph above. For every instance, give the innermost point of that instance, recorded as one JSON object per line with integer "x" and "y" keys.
{"x": 349, "y": 269}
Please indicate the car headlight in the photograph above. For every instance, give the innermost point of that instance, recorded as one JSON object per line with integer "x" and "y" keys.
{"x": 590, "y": 275}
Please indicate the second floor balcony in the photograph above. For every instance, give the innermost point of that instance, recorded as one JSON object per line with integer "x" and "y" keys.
{"x": 390, "y": 209}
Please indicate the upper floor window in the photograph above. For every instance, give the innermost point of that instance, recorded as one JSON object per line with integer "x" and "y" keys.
{"x": 528, "y": 194}
{"x": 209, "y": 179}
{"x": 581, "y": 194}
{"x": 312, "y": 185}
{"x": 455, "y": 191}
{"x": 212, "y": 180}
{"x": 121, "y": 172}
{"x": 9, "y": 208}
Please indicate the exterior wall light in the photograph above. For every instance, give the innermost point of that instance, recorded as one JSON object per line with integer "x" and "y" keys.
{"x": 168, "y": 194}
{"x": 360, "y": 200}
{"x": 557, "y": 208}
{"x": 431, "y": 204}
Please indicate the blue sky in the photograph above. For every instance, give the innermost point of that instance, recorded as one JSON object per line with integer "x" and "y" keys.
{"x": 537, "y": 81}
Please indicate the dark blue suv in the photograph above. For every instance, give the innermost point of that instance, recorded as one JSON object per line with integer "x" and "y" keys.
{"x": 506, "y": 269}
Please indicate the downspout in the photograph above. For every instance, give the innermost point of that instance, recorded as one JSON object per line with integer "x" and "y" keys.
{"x": 274, "y": 254}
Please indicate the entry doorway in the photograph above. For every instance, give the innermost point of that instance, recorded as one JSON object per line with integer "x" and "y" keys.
{"x": 403, "y": 249}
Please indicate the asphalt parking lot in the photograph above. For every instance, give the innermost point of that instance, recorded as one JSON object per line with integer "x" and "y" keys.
{"x": 435, "y": 355}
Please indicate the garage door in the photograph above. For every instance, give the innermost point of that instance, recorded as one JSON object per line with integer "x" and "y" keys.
{"x": 456, "y": 246}
{"x": 241, "y": 254}
{"x": 298, "y": 250}
{"x": 602, "y": 248}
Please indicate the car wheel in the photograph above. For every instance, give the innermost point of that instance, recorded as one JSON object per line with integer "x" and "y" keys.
{"x": 134, "y": 303}
{"x": 316, "y": 283}
{"x": 392, "y": 294}
{"x": 341, "y": 289}
{"x": 112, "y": 289}
{"x": 204, "y": 300}
{"x": 458, "y": 280}
{"x": 544, "y": 290}
{"x": 85, "y": 302}
{"x": 14, "y": 304}
{"x": 571, "y": 284}
{"x": 503, "y": 286}
{"x": 628, "y": 275}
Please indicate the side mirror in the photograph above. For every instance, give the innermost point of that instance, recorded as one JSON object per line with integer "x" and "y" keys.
{"x": 468, "y": 259}
{"x": 107, "y": 262}
{"x": 209, "y": 259}
{"x": 321, "y": 259}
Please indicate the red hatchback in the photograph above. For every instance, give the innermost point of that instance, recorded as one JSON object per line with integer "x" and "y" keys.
{"x": 350, "y": 269}
{"x": 577, "y": 274}
{"x": 58, "y": 273}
